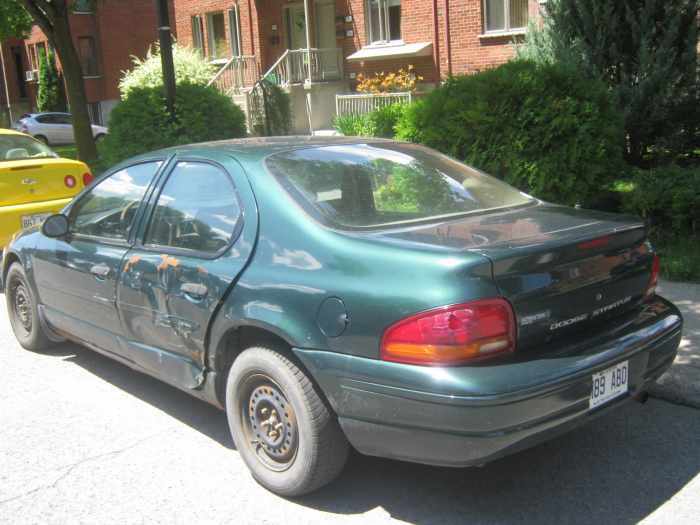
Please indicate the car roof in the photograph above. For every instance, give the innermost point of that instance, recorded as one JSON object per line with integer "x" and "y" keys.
{"x": 48, "y": 113}
{"x": 257, "y": 148}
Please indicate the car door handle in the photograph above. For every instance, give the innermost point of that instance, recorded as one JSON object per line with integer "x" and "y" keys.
{"x": 195, "y": 290}
{"x": 100, "y": 270}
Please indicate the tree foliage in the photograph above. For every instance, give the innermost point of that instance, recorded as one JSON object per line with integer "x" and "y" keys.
{"x": 50, "y": 95}
{"x": 645, "y": 51}
{"x": 190, "y": 67}
{"x": 15, "y": 22}
{"x": 270, "y": 110}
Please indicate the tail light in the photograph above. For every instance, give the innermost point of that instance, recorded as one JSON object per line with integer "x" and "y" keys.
{"x": 654, "y": 278}
{"x": 69, "y": 181}
{"x": 452, "y": 335}
{"x": 87, "y": 178}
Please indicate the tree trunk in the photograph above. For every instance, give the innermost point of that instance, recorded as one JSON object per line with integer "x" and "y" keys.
{"x": 52, "y": 16}
{"x": 73, "y": 74}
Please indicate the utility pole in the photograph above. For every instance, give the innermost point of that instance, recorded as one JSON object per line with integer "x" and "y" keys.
{"x": 166, "y": 54}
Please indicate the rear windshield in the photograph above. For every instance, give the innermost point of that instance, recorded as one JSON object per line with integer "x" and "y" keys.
{"x": 19, "y": 147}
{"x": 372, "y": 185}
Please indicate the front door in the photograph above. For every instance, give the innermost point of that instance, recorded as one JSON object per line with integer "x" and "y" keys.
{"x": 188, "y": 254}
{"x": 326, "y": 40}
{"x": 77, "y": 275}
{"x": 296, "y": 27}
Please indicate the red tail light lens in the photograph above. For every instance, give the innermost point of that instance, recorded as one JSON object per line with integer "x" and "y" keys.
{"x": 452, "y": 335}
{"x": 69, "y": 181}
{"x": 87, "y": 178}
{"x": 654, "y": 279}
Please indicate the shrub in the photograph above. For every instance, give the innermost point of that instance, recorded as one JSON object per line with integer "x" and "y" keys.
{"x": 379, "y": 123}
{"x": 50, "y": 95}
{"x": 541, "y": 128}
{"x": 669, "y": 197}
{"x": 270, "y": 110}
{"x": 141, "y": 122}
{"x": 190, "y": 68}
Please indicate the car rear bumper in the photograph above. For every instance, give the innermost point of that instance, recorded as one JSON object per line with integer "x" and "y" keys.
{"x": 11, "y": 216}
{"x": 464, "y": 416}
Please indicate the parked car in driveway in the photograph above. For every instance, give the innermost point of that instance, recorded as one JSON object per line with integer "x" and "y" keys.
{"x": 34, "y": 182}
{"x": 53, "y": 128}
{"x": 329, "y": 292}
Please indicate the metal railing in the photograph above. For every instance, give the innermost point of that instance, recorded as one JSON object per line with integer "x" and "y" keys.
{"x": 363, "y": 103}
{"x": 297, "y": 66}
{"x": 237, "y": 73}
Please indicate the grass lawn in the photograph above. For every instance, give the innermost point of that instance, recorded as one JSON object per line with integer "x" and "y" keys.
{"x": 69, "y": 152}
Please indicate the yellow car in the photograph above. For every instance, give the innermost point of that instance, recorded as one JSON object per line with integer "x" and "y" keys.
{"x": 34, "y": 182}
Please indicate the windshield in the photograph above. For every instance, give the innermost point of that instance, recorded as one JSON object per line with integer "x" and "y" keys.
{"x": 370, "y": 185}
{"x": 19, "y": 147}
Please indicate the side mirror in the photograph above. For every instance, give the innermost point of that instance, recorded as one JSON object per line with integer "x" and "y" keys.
{"x": 55, "y": 226}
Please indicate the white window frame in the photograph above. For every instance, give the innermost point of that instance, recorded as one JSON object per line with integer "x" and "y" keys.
{"x": 211, "y": 47}
{"x": 197, "y": 33}
{"x": 506, "y": 19}
{"x": 384, "y": 29}
{"x": 234, "y": 30}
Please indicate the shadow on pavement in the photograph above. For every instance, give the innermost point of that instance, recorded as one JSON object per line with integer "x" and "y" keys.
{"x": 619, "y": 468}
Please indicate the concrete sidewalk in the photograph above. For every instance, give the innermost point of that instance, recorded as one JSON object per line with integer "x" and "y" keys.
{"x": 681, "y": 384}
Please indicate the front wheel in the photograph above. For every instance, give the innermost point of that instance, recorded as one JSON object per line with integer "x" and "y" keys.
{"x": 23, "y": 311}
{"x": 287, "y": 436}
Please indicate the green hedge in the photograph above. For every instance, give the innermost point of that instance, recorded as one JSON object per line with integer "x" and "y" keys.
{"x": 541, "y": 128}
{"x": 378, "y": 123}
{"x": 141, "y": 122}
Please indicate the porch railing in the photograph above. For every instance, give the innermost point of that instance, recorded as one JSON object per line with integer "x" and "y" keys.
{"x": 297, "y": 66}
{"x": 362, "y": 103}
{"x": 237, "y": 73}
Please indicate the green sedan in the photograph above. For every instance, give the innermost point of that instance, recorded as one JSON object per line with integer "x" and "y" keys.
{"x": 331, "y": 292}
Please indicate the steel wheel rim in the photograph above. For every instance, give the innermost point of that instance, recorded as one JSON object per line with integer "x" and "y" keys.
{"x": 22, "y": 307}
{"x": 269, "y": 422}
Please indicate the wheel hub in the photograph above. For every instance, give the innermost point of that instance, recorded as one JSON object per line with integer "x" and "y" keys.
{"x": 273, "y": 423}
{"x": 23, "y": 309}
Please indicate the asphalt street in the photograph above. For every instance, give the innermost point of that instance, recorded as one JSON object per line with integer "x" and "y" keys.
{"x": 86, "y": 440}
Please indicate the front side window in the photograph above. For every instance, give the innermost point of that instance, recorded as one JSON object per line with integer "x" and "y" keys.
{"x": 374, "y": 185}
{"x": 505, "y": 15}
{"x": 197, "y": 210}
{"x": 216, "y": 35}
{"x": 19, "y": 147}
{"x": 109, "y": 209}
{"x": 88, "y": 55}
{"x": 384, "y": 20}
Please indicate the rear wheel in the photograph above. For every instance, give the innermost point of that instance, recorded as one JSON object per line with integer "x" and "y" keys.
{"x": 285, "y": 433}
{"x": 99, "y": 138}
{"x": 23, "y": 312}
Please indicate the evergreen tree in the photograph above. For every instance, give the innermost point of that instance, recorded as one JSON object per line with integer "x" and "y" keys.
{"x": 50, "y": 95}
{"x": 646, "y": 51}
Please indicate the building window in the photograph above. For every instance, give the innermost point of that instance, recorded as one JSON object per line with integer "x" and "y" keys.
{"x": 88, "y": 56}
{"x": 95, "y": 112}
{"x": 216, "y": 35}
{"x": 505, "y": 15}
{"x": 198, "y": 33}
{"x": 384, "y": 20}
{"x": 234, "y": 24}
{"x": 83, "y": 7}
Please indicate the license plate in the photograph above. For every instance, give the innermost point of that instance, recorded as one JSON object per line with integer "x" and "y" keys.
{"x": 32, "y": 220}
{"x": 609, "y": 384}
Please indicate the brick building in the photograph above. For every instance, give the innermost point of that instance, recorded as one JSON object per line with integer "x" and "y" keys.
{"x": 346, "y": 37}
{"x": 105, "y": 34}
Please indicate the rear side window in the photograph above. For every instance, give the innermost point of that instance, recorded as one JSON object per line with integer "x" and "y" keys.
{"x": 197, "y": 210}
{"x": 109, "y": 208}
{"x": 373, "y": 185}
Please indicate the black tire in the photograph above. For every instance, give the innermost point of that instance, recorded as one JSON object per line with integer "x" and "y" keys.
{"x": 99, "y": 138}
{"x": 22, "y": 310}
{"x": 41, "y": 138}
{"x": 308, "y": 450}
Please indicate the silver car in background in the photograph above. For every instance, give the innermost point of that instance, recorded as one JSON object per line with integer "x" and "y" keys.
{"x": 53, "y": 128}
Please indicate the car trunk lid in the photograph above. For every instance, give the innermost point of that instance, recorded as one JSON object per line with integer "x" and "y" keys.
{"x": 36, "y": 180}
